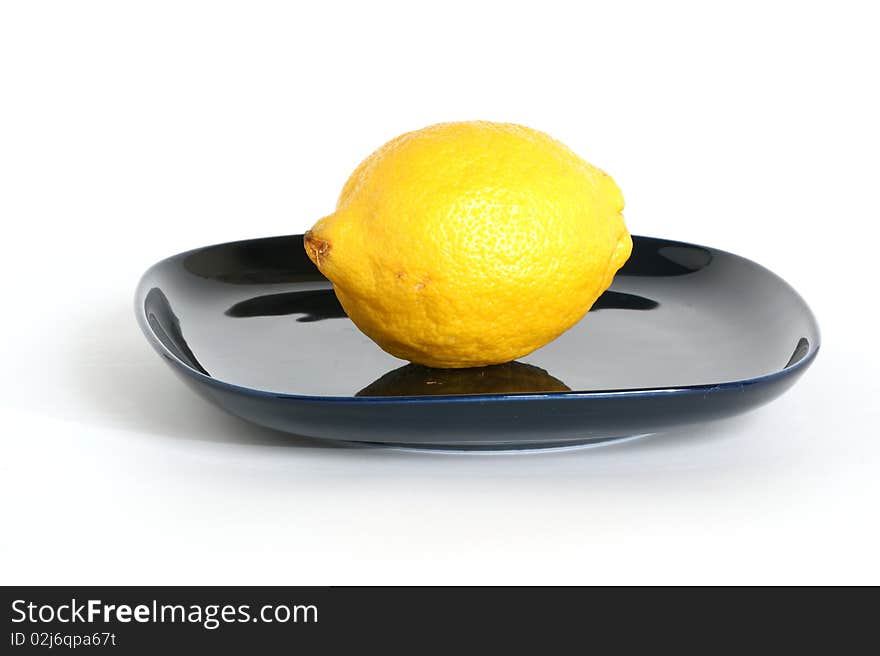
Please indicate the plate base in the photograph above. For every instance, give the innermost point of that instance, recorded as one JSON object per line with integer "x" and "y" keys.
{"x": 507, "y": 448}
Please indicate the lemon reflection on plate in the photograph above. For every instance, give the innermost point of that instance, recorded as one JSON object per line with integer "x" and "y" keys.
{"x": 508, "y": 378}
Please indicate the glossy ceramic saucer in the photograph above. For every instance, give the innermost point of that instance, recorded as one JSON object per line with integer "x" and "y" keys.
{"x": 685, "y": 334}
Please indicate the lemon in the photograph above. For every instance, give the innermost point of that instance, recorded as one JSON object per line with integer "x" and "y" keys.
{"x": 471, "y": 243}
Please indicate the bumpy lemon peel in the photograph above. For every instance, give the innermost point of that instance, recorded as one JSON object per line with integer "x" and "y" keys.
{"x": 471, "y": 243}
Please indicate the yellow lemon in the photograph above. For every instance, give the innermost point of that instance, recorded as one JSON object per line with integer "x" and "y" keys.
{"x": 472, "y": 243}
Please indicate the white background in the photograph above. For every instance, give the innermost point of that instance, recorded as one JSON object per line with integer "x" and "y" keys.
{"x": 132, "y": 131}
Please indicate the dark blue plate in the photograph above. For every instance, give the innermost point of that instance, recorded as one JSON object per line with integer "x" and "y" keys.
{"x": 685, "y": 334}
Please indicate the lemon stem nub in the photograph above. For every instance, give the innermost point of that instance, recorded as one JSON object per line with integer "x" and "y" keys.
{"x": 317, "y": 249}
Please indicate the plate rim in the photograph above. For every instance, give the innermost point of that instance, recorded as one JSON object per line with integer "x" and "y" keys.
{"x": 678, "y": 390}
